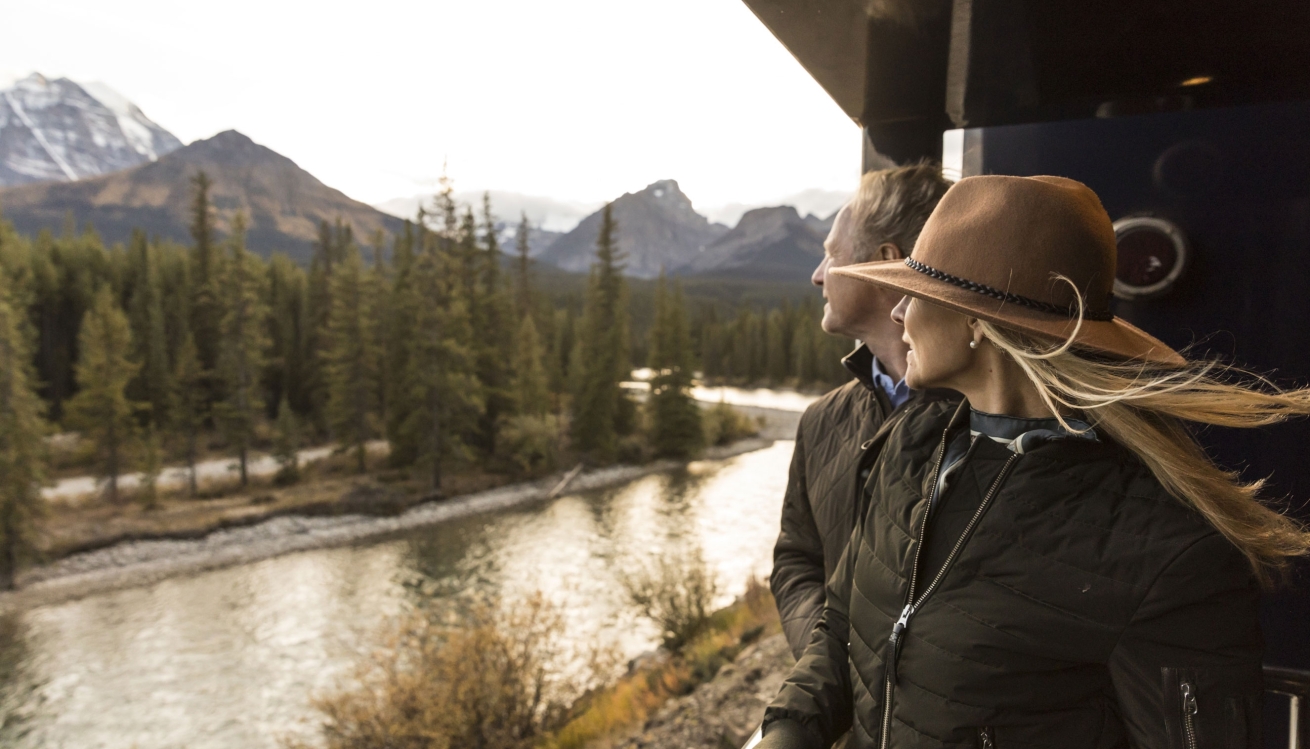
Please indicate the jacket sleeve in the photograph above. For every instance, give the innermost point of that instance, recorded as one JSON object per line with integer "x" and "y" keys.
{"x": 1188, "y": 665}
{"x": 798, "y": 572}
{"x": 817, "y": 694}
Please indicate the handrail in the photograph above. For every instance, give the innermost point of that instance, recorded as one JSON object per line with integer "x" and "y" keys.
{"x": 1294, "y": 684}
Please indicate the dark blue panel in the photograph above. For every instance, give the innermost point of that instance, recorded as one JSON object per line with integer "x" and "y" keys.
{"x": 1237, "y": 181}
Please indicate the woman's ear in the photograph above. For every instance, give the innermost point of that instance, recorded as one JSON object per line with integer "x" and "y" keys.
{"x": 888, "y": 251}
{"x": 975, "y": 330}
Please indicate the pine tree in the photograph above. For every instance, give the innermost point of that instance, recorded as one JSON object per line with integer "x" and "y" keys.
{"x": 441, "y": 397}
{"x": 602, "y": 361}
{"x": 21, "y": 445}
{"x": 192, "y": 411}
{"x": 207, "y": 272}
{"x": 101, "y": 408}
{"x": 244, "y": 340}
{"x": 153, "y": 383}
{"x": 531, "y": 386}
{"x": 352, "y": 358}
{"x": 401, "y": 309}
{"x": 675, "y": 419}
{"x": 524, "y": 291}
{"x": 493, "y": 336}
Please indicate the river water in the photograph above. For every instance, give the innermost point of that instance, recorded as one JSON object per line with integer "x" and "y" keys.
{"x": 232, "y": 658}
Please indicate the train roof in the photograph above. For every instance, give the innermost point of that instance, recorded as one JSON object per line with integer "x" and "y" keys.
{"x": 908, "y": 69}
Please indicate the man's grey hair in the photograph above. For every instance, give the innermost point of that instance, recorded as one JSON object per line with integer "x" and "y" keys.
{"x": 891, "y": 206}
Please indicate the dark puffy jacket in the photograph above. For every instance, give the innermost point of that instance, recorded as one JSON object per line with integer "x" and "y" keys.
{"x": 1086, "y": 608}
{"x": 818, "y": 511}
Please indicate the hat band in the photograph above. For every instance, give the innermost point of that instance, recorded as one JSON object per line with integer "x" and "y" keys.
{"x": 1005, "y": 296}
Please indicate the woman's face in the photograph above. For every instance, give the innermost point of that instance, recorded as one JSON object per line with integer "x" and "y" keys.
{"x": 939, "y": 340}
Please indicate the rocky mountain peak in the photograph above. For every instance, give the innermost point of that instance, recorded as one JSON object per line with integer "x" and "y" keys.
{"x": 658, "y": 229}
{"x": 60, "y": 130}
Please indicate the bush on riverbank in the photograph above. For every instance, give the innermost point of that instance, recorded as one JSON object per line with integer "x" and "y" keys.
{"x": 494, "y": 681}
{"x": 676, "y": 593}
{"x": 724, "y": 425}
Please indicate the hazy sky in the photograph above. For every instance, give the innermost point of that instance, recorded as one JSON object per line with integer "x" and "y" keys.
{"x": 577, "y": 99}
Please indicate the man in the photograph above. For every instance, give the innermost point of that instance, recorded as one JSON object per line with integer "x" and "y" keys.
{"x": 819, "y": 511}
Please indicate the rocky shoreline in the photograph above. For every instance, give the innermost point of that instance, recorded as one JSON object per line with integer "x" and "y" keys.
{"x": 144, "y": 562}
{"x": 723, "y": 712}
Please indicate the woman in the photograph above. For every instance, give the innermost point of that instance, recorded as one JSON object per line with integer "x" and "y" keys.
{"x": 1054, "y": 562}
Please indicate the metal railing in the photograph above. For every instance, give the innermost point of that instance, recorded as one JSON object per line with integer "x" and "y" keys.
{"x": 1293, "y": 684}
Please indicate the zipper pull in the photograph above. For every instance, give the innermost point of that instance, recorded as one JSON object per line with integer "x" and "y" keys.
{"x": 894, "y": 641}
{"x": 1189, "y": 699}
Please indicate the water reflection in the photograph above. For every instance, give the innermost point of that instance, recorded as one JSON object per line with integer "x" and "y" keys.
{"x": 231, "y": 657}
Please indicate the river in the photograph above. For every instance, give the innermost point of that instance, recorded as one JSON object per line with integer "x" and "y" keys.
{"x": 232, "y": 657}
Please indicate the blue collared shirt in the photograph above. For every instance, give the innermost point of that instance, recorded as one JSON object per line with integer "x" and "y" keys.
{"x": 897, "y": 392}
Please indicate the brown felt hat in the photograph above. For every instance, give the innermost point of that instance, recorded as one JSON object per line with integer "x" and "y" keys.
{"x": 996, "y": 247}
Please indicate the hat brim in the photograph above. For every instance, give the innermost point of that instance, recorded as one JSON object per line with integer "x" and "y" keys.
{"x": 1116, "y": 338}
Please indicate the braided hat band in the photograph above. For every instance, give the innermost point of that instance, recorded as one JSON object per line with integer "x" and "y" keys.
{"x": 1071, "y": 311}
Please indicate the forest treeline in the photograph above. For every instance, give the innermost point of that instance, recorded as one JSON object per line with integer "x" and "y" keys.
{"x": 432, "y": 340}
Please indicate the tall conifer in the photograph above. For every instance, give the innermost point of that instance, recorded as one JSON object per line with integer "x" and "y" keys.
{"x": 493, "y": 338}
{"x": 352, "y": 357}
{"x": 21, "y": 445}
{"x": 602, "y": 361}
{"x": 531, "y": 384}
{"x": 207, "y": 271}
{"x": 675, "y": 419}
{"x": 442, "y": 397}
{"x": 153, "y": 383}
{"x": 101, "y": 409}
{"x": 244, "y": 340}
{"x": 524, "y": 291}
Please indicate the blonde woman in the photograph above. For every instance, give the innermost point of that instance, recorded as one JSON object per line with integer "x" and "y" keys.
{"x": 1055, "y": 562}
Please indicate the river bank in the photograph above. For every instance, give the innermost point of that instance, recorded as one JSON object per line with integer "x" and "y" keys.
{"x": 143, "y": 562}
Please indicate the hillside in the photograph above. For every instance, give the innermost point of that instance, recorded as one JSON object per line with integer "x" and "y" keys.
{"x": 657, "y": 229}
{"x": 773, "y": 244}
{"x": 60, "y": 130}
{"x": 283, "y": 203}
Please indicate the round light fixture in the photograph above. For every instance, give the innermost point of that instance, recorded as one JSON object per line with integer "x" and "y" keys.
{"x": 1152, "y": 255}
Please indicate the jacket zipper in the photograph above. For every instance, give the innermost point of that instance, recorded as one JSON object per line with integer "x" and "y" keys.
{"x": 912, "y": 605}
{"x": 1189, "y": 711}
{"x": 985, "y": 738}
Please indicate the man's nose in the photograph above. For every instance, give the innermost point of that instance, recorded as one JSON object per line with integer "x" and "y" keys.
{"x": 817, "y": 277}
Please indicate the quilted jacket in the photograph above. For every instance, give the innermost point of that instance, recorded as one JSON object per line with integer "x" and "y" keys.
{"x": 1066, "y": 601}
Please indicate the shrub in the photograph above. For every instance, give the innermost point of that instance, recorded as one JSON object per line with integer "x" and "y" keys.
{"x": 493, "y": 681}
{"x": 531, "y": 441}
{"x": 677, "y": 593}
{"x": 724, "y": 424}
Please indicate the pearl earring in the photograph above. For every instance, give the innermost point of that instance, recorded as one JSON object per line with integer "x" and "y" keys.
{"x": 973, "y": 344}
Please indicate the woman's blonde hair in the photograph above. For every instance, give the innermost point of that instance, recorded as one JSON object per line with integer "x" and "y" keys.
{"x": 1145, "y": 409}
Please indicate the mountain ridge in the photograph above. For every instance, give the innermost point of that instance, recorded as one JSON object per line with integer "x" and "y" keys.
{"x": 283, "y": 203}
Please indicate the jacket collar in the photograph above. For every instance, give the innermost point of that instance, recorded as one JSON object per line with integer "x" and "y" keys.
{"x": 860, "y": 364}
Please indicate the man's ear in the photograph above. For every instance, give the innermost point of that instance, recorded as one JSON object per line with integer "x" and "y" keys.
{"x": 888, "y": 251}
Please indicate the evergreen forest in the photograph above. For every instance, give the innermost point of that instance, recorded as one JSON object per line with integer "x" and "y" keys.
{"x": 437, "y": 340}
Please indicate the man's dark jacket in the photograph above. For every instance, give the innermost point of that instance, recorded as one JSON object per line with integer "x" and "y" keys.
{"x": 1088, "y": 609}
{"x": 818, "y": 511}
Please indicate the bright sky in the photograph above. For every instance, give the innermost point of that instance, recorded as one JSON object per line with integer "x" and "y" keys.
{"x": 576, "y": 100}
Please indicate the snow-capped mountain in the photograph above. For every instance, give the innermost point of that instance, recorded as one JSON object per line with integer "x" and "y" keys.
{"x": 60, "y": 130}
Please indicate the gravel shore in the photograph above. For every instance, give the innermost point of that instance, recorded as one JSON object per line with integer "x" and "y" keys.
{"x": 144, "y": 562}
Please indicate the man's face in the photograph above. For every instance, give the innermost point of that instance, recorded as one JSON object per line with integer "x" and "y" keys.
{"x": 853, "y": 307}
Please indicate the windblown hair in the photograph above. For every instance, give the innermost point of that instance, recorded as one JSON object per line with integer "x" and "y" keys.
{"x": 1146, "y": 409}
{"x": 891, "y": 206}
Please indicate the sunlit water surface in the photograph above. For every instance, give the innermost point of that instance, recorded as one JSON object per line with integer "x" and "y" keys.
{"x": 231, "y": 658}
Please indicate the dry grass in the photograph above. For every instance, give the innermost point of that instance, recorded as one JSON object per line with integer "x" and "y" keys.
{"x": 608, "y": 714}
{"x": 497, "y": 680}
